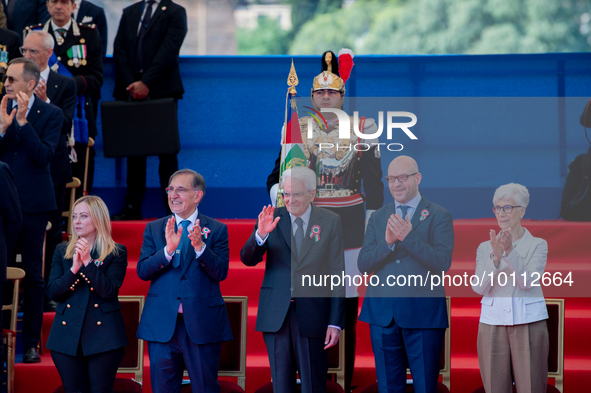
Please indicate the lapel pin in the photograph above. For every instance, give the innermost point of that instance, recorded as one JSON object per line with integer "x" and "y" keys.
{"x": 205, "y": 231}
{"x": 38, "y": 111}
{"x": 424, "y": 214}
{"x": 164, "y": 8}
{"x": 315, "y": 233}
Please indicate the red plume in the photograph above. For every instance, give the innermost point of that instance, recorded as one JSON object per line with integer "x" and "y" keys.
{"x": 345, "y": 63}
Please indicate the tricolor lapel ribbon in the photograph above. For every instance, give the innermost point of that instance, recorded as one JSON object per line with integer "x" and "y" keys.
{"x": 424, "y": 214}
{"x": 315, "y": 233}
{"x": 98, "y": 263}
{"x": 205, "y": 231}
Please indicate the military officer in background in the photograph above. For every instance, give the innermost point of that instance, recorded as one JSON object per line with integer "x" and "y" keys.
{"x": 79, "y": 50}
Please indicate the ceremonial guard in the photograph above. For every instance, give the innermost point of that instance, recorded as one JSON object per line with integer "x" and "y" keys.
{"x": 341, "y": 172}
{"x": 79, "y": 51}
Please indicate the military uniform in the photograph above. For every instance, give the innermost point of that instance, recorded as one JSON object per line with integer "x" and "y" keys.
{"x": 80, "y": 52}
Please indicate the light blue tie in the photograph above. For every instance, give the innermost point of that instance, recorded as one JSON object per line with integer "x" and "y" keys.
{"x": 403, "y": 209}
{"x": 183, "y": 248}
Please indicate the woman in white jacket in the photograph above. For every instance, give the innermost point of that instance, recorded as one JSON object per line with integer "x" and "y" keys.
{"x": 512, "y": 333}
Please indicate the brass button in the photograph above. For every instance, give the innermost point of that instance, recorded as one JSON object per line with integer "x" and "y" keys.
{"x": 99, "y": 323}
{"x": 64, "y": 323}
{"x": 92, "y": 289}
{"x": 96, "y": 306}
{"x": 68, "y": 306}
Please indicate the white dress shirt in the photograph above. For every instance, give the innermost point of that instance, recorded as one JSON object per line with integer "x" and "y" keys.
{"x": 152, "y": 10}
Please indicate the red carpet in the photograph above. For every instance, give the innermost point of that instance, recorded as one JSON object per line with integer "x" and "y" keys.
{"x": 569, "y": 251}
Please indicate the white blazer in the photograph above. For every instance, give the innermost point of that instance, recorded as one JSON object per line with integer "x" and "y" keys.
{"x": 519, "y": 300}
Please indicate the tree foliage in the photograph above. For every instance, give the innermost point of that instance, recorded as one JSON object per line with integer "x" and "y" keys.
{"x": 440, "y": 27}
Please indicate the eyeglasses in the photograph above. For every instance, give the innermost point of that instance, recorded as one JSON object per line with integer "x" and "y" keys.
{"x": 8, "y": 78}
{"x": 401, "y": 178}
{"x": 179, "y": 190}
{"x": 24, "y": 51}
{"x": 332, "y": 93}
{"x": 295, "y": 195}
{"x": 507, "y": 209}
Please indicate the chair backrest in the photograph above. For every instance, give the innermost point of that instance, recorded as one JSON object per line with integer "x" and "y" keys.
{"x": 90, "y": 144}
{"x": 336, "y": 360}
{"x": 133, "y": 359}
{"x": 72, "y": 186}
{"x": 233, "y": 353}
{"x": 556, "y": 339}
{"x": 15, "y": 274}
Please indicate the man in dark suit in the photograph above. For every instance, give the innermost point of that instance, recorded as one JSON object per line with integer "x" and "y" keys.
{"x": 185, "y": 256}
{"x": 28, "y": 137}
{"x": 60, "y": 91}
{"x": 10, "y": 225}
{"x": 410, "y": 237}
{"x": 23, "y": 13}
{"x": 90, "y": 13}
{"x": 146, "y": 53}
{"x": 298, "y": 322}
{"x": 78, "y": 48}
{"x": 10, "y": 43}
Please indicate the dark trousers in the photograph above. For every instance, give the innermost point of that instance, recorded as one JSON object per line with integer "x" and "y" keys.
{"x": 78, "y": 167}
{"x": 54, "y": 235}
{"x": 30, "y": 245}
{"x": 136, "y": 177}
{"x": 290, "y": 352}
{"x": 394, "y": 346}
{"x": 86, "y": 374}
{"x": 352, "y": 313}
{"x": 169, "y": 360}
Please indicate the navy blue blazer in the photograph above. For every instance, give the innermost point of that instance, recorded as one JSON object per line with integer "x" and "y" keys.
{"x": 92, "y": 13}
{"x": 61, "y": 92}
{"x": 316, "y": 310}
{"x": 28, "y": 151}
{"x": 25, "y": 13}
{"x": 10, "y": 217}
{"x": 425, "y": 251}
{"x": 88, "y": 310}
{"x": 161, "y": 45}
{"x": 196, "y": 284}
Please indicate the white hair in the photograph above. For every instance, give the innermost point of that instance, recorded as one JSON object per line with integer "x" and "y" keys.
{"x": 515, "y": 192}
{"x": 304, "y": 174}
{"x": 48, "y": 42}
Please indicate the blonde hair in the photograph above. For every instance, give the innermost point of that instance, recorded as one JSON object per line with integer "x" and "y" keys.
{"x": 99, "y": 214}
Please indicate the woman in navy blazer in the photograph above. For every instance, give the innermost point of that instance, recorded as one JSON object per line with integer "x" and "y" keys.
{"x": 88, "y": 336}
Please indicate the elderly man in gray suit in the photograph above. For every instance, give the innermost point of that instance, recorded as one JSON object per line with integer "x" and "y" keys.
{"x": 299, "y": 323}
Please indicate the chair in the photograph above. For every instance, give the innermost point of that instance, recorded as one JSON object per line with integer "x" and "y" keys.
{"x": 133, "y": 359}
{"x": 88, "y": 146}
{"x": 444, "y": 362}
{"x": 336, "y": 366}
{"x": 15, "y": 274}
{"x": 555, "y": 323}
{"x": 233, "y": 353}
{"x": 72, "y": 186}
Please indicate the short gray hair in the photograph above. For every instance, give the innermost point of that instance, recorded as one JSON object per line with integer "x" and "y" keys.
{"x": 307, "y": 175}
{"x": 48, "y": 41}
{"x": 30, "y": 69}
{"x": 198, "y": 182}
{"x": 513, "y": 191}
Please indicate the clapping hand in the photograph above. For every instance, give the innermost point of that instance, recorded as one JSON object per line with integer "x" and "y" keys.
{"x": 23, "y": 106}
{"x": 195, "y": 236}
{"x": 266, "y": 221}
{"x": 172, "y": 239}
{"x": 5, "y": 118}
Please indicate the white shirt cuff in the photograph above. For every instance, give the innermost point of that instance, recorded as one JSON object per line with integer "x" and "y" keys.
{"x": 336, "y": 327}
{"x": 259, "y": 240}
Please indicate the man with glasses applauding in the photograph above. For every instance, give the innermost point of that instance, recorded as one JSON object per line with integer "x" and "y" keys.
{"x": 410, "y": 238}
{"x": 185, "y": 256}
{"x": 299, "y": 322}
{"x": 29, "y": 133}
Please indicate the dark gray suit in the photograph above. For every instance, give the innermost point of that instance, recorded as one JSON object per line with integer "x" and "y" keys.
{"x": 305, "y": 319}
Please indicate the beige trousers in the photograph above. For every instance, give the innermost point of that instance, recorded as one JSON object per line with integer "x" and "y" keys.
{"x": 521, "y": 349}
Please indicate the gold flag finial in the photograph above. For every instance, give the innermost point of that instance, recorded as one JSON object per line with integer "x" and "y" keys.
{"x": 292, "y": 80}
